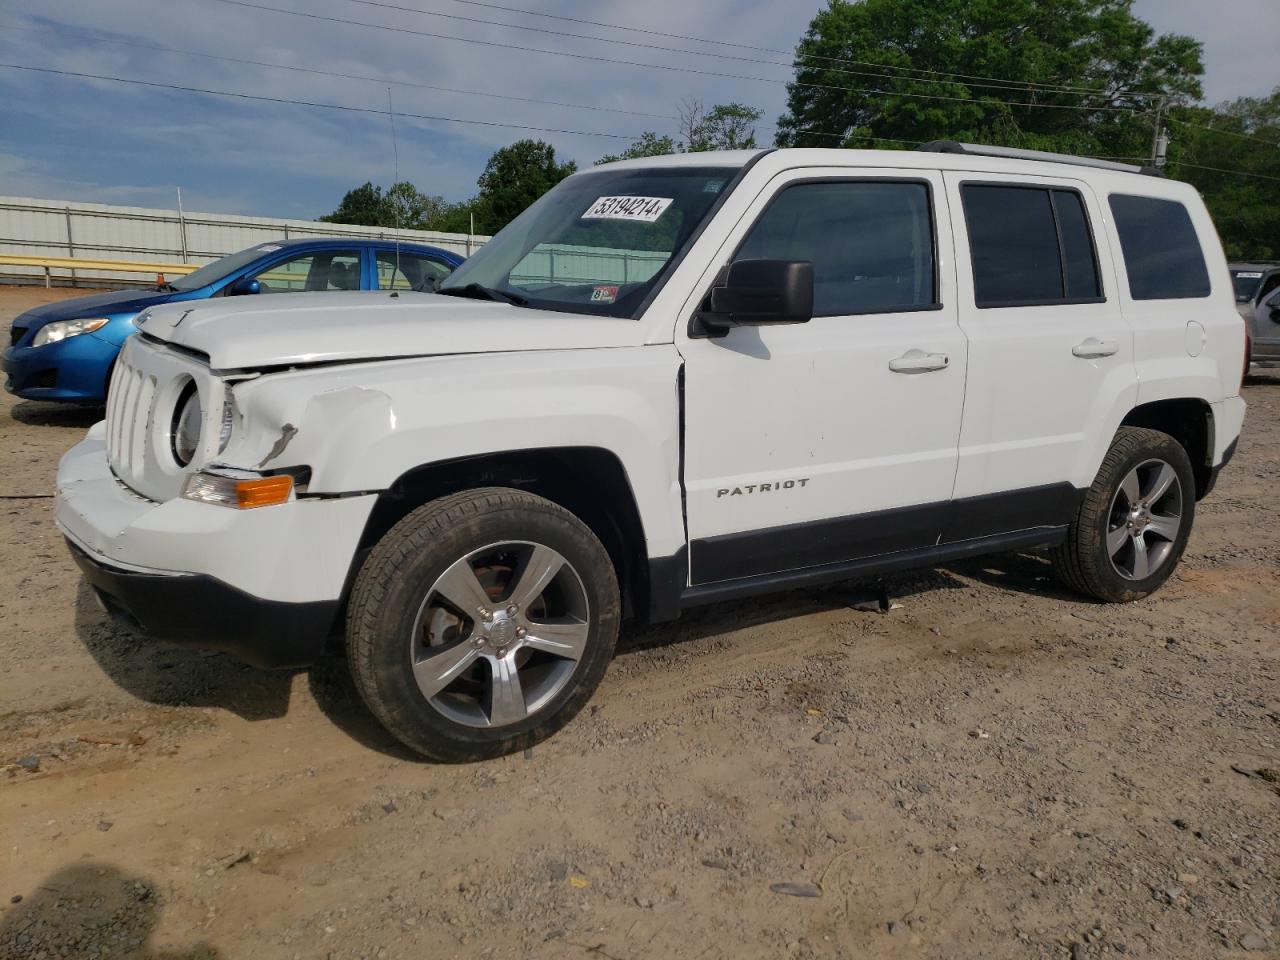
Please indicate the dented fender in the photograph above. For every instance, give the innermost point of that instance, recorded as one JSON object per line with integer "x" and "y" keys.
{"x": 359, "y": 427}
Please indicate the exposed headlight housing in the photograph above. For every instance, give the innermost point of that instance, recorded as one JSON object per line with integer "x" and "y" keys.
{"x": 184, "y": 432}
{"x": 65, "y": 329}
{"x": 188, "y": 422}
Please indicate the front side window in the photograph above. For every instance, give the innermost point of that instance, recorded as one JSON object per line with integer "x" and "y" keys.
{"x": 597, "y": 243}
{"x": 870, "y": 243}
{"x": 1030, "y": 246}
{"x": 311, "y": 273}
{"x": 408, "y": 271}
{"x": 1161, "y": 250}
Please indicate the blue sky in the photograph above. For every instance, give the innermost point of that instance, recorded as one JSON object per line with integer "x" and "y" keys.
{"x": 71, "y": 139}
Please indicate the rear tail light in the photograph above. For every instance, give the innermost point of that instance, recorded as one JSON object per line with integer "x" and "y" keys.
{"x": 1248, "y": 352}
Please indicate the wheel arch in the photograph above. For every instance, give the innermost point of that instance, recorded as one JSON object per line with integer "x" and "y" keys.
{"x": 1189, "y": 420}
{"x": 590, "y": 482}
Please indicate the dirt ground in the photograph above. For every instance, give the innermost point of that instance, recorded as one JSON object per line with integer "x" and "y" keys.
{"x": 995, "y": 768}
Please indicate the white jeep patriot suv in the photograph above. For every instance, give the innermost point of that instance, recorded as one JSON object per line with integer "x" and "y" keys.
{"x": 669, "y": 382}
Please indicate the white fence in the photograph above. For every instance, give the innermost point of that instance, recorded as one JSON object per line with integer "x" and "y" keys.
{"x": 56, "y": 228}
{"x": 567, "y": 263}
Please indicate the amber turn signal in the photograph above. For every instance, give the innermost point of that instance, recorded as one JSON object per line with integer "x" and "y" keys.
{"x": 242, "y": 493}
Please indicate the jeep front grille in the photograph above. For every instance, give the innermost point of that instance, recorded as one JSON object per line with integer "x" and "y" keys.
{"x": 128, "y": 414}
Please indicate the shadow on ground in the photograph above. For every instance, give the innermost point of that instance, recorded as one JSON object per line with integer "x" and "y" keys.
{"x": 88, "y": 910}
{"x": 1017, "y": 572}
{"x": 167, "y": 674}
{"x": 37, "y": 413}
{"x": 171, "y": 675}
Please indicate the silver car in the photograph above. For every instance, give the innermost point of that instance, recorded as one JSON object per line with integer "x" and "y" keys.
{"x": 1253, "y": 283}
{"x": 1264, "y": 329}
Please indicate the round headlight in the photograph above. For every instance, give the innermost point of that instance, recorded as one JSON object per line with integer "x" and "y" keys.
{"x": 185, "y": 433}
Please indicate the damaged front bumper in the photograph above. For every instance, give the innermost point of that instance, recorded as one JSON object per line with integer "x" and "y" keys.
{"x": 264, "y": 584}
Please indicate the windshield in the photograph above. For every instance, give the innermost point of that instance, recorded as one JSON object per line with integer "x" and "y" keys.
{"x": 221, "y": 269}
{"x": 1247, "y": 282}
{"x": 598, "y": 242}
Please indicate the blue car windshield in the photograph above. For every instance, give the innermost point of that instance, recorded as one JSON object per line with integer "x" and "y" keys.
{"x": 221, "y": 269}
{"x": 597, "y": 243}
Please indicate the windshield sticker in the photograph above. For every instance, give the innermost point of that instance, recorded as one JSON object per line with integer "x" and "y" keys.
{"x": 640, "y": 209}
{"x": 604, "y": 294}
{"x": 713, "y": 186}
{"x": 1249, "y": 276}
{"x": 268, "y": 248}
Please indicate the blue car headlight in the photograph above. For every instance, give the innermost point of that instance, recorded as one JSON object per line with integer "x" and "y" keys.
{"x": 63, "y": 329}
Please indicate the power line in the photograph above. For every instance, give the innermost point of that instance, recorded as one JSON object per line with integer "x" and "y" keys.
{"x": 1226, "y": 133}
{"x": 422, "y": 116}
{"x": 1237, "y": 173}
{"x": 345, "y": 76}
{"x": 787, "y": 53}
{"x": 310, "y": 103}
{"x": 385, "y": 5}
{"x": 664, "y": 67}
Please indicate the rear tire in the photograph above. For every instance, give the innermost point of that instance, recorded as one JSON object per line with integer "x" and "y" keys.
{"x": 1132, "y": 526}
{"x": 481, "y": 624}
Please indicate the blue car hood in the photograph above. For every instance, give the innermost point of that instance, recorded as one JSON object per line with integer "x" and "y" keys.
{"x": 98, "y": 305}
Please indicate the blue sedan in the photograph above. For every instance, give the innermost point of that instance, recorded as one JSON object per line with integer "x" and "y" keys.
{"x": 65, "y": 350}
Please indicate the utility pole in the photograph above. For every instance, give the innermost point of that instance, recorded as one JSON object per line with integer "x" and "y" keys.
{"x": 1159, "y": 138}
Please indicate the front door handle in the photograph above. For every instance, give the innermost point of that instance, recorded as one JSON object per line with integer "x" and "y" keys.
{"x": 1093, "y": 348}
{"x": 917, "y": 361}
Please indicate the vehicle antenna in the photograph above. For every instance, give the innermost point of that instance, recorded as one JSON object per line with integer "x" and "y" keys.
{"x": 395, "y": 179}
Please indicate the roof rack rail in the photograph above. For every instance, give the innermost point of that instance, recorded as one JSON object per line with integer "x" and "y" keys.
{"x": 1013, "y": 153}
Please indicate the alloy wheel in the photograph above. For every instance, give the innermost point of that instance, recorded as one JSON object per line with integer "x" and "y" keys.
{"x": 1145, "y": 518}
{"x": 500, "y": 633}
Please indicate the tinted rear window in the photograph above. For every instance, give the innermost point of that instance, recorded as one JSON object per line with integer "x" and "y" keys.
{"x": 1030, "y": 246}
{"x": 1161, "y": 250}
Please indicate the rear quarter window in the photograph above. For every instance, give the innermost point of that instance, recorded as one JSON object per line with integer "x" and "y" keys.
{"x": 1162, "y": 252}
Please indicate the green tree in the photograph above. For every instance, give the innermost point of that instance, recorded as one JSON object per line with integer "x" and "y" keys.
{"x": 402, "y": 206}
{"x": 514, "y": 177}
{"x": 649, "y": 145}
{"x": 1232, "y": 156}
{"x": 908, "y": 69}
{"x": 726, "y": 126}
{"x": 364, "y": 206}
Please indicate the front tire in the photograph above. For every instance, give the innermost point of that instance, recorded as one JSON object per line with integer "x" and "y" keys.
{"x": 482, "y": 623}
{"x": 1133, "y": 523}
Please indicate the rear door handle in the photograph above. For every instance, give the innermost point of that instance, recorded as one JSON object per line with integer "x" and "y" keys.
{"x": 917, "y": 361}
{"x": 1093, "y": 348}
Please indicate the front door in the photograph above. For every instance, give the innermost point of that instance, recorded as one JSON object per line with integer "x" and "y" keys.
{"x": 833, "y": 440}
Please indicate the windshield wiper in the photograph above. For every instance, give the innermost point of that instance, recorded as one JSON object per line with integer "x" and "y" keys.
{"x": 478, "y": 291}
{"x": 166, "y": 288}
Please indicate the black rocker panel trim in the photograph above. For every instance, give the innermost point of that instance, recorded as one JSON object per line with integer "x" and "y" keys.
{"x": 870, "y": 566}
{"x": 815, "y": 543}
{"x": 1052, "y": 505}
{"x": 732, "y": 556}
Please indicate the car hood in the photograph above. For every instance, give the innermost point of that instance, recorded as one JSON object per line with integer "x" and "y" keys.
{"x": 97, "y": 305}
{"x": 288, "y": 329}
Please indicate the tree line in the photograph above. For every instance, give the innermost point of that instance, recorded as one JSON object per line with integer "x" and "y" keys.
{"x": 1071, "y": 76}
{"x": 518, "y": 174}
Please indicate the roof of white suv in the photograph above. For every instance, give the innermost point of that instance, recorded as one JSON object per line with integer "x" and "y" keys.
{"x": 1029, "y": 163}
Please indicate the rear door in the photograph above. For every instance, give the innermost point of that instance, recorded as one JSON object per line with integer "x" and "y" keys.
{"x": 832, "y": 440}
{"x": 1050, "y": 355}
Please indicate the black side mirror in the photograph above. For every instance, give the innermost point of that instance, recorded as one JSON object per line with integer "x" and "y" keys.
{"x": 1275, "y": 313}
{"x": 244, "y": 286}
{"x": 757, "y": 292}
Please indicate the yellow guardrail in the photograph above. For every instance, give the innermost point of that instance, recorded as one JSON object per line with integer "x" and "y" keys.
{"x": 49, "y": 264}
{"x": 128, "y": 266}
